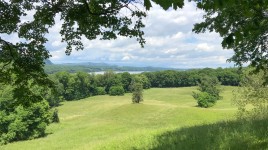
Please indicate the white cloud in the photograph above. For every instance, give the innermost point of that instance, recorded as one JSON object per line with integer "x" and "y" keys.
{"x": 204, "y": 47}
{"x": 56, "y": 43}
{"x": 126, "y": 58}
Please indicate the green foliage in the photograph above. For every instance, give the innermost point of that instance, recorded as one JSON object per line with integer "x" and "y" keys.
{"x": 243, "y": 26}
{"x": 140, "y": 78}
{"x": 209, "y": 92}
{"x": 82, "y": 84}
{"x": 144, "y": 81}
{"x": 109, "y": 79}
{"x": 74, "y": 86}
{"x": 116, "y": 91}
{"x": 24, "y": 122}
{"x": 210, "y": 85}
{"x": 172, "y": 78}
{"x": 165, "y": 4}
{"x": 137, "y": 95}
{"x": 99, "y": 91}
{"x": 251, "y": 97}
{"x": 204, "y": 99}
{"x": 126, "y": 81}
{"x": 55, "y": 95}
{"x": 5, "y": 92}
{"x": 55, "y": 116}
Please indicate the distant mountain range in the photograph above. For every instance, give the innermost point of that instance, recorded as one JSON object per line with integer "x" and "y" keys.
{"x": 96, "y": 67}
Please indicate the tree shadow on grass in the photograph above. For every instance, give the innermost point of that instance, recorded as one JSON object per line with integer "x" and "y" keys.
{"x": 223, "y": 135}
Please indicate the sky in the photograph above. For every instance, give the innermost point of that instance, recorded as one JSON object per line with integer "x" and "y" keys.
{"x": 170, "y": 42}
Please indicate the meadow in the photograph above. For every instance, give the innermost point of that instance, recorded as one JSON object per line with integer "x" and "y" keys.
{"x": 168, "y": 118}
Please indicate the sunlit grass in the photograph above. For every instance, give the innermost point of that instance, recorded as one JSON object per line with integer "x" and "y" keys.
{"x": 113, "y": 122}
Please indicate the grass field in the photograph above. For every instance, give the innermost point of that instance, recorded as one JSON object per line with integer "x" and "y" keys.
{"x": 167, "y": 119}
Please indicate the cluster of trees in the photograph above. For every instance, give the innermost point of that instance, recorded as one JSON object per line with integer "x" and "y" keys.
{"x": 28, "y": 121}
{"x": 81, "y": 84}
{"x": 170, "y": 78}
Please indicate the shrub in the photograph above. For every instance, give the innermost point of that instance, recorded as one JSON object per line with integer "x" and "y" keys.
{"x": 116, "y": 91}
{"x": 54, "y": 116}
{"x": 137, "y": 95}
{"x": 99, "y": 91}
{"x": 205, "y": 99}
{"x": 24, "y": 122}
{"x": 209, "y": 91}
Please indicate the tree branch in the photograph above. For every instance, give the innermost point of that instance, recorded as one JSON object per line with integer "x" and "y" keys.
{"x": 102, "y": 13}
{"x": 10, "y": 51}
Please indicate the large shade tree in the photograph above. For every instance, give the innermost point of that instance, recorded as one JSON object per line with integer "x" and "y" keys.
{"x": 243, "y": 25}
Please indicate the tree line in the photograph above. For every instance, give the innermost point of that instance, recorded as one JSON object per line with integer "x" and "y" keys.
{"x": 75, "y": 86}
{"x": 170, "y": 78}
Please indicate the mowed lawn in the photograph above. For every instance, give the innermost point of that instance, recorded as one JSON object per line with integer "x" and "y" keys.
{"x": 113, "y": 122}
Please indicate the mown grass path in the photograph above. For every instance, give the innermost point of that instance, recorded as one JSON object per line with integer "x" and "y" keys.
{"x": 113, "y": 122}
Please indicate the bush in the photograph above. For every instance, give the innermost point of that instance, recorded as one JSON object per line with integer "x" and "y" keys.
{"x": 24, "y": 122}
{"x": 55, "y": 116}
{"x": 99, "y": 91}
{"x": 116, "y": 91}
{"x": 137, "y": 95}
{"x": 205, "y": 99}
{"x": 209, "y": 91}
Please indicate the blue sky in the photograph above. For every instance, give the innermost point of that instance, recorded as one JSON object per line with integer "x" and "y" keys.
{"x": 170, "y": 42}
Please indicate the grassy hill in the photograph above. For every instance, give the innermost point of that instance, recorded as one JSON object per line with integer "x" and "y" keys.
{"x": 167, "y": 119}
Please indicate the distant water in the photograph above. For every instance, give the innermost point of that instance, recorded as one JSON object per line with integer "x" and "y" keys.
{"x": 131, "y": 72}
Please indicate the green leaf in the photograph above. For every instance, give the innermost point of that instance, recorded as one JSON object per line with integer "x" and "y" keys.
{"x": 147, "y": 4}
{"x": 170, "y": 3}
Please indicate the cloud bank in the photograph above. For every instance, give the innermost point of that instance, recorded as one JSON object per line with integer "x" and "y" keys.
{"x": 170, "y": 42}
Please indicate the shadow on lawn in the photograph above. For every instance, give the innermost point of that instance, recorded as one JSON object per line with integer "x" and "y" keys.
{"x": 222, "y": 135}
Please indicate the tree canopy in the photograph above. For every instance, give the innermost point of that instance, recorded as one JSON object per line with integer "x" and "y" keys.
{"x": 243, "y": 26}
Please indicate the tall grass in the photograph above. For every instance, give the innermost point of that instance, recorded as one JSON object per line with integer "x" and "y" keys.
{"x": 223, "y": 135}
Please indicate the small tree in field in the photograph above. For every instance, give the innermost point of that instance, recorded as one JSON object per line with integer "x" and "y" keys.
{"x": 137, "y": 95}
{"x": 209, "y": 92}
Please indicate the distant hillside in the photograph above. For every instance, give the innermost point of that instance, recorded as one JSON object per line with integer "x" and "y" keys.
{"x": 95, "y": 67}
{"x": 48, "y": 62}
